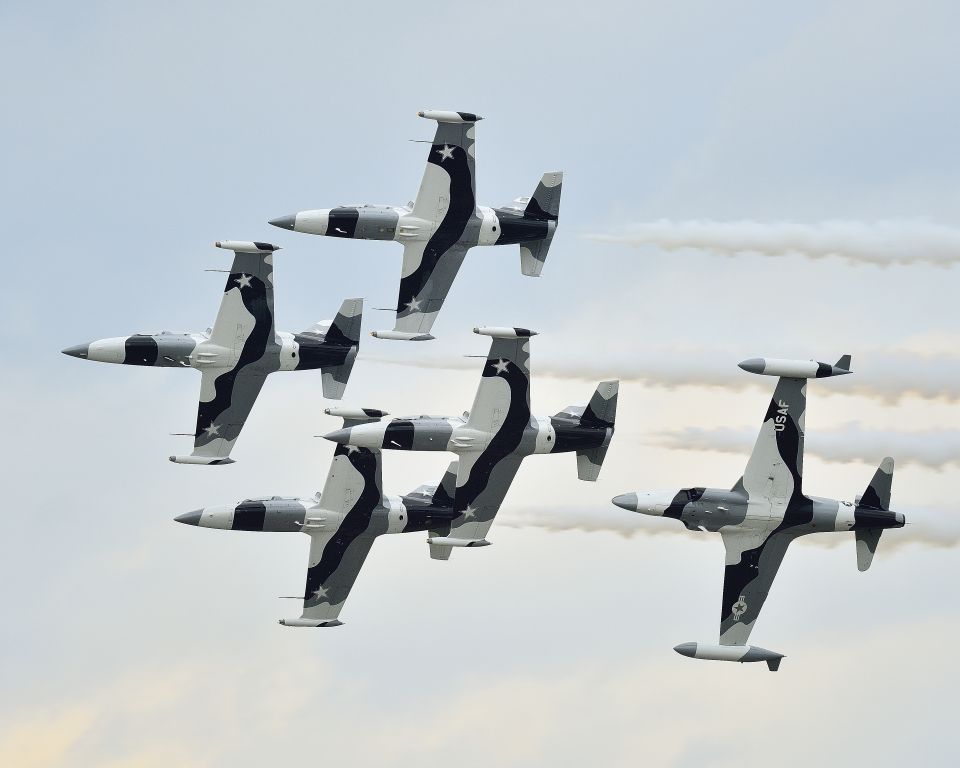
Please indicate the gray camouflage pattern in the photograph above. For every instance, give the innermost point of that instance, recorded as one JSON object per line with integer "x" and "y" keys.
{"x": 442, "y": 224}
{"x": 343, "y": 521}
{"x": 767, "y": 509}
{"x": 495, "y": 436}
{"x": 237, "y": 354}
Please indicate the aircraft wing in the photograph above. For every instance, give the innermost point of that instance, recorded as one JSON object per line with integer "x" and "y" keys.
{"x": 775, "y": 468}
{"x": 429, "y": 269}
{"x": 242, "y": 351}
{"x": 483, "y": 480}
{"x": 342, "y": 530}
{"x": 448, "y": 187}
{"x": 752, "y": 561}
{"x": 227, "y": 396}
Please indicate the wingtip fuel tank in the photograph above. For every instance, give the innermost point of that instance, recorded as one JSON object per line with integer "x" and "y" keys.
{"x": 795, "y": 369}
{"x": 740, "y": 653}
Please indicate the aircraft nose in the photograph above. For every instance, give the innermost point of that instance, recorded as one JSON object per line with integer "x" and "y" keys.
{"x": 79, "y": 350}
{"x": 341, "y": 436}
{"x": 627, "y": 501}
{"x": 190, "y": 518}
{"x": 284, "y": 222}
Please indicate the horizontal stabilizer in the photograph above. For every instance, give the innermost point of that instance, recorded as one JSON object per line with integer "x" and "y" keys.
{"x": 589, "y": 463}
{"x": 533, "y": 255}
{"x": 334, "y": 378}
{"x": 207, "y": 460}
{"x": 739, "y": 653}
{"x": 867, "y": 540}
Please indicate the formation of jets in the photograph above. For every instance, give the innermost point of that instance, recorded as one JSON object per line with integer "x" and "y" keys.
{"x": 757, "y": 518}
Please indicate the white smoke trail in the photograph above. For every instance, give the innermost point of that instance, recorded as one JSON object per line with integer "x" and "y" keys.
{"x": 881, "y": 375}
{"x": 847, "y": 443}
{"x": 925, "y": 526}
{"x": 880, "y": 243}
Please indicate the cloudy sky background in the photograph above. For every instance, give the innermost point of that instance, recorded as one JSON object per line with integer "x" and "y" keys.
{"x": 136, "y": 135}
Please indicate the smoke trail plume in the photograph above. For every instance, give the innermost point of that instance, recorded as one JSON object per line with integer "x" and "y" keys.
{"x": 880, "y": 243}
{"x": 881, "y": 375}
{"x": 934, "y": 449}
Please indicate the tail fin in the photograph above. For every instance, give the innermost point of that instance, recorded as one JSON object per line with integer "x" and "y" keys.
{"x": 545, "y": 203}
{"x": 345, "y": 328}
{"x": 344, "y": 331}
{"x": 600, "y": 413}
{"x": 543, "y": 206}
{"x": 877, "y": 495}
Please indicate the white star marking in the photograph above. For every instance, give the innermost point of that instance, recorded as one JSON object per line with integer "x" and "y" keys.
{"x": 244, "y": 281}
{"x": 469, "y": 512}
{"x": 501, "y": 366}
{"x": 446, "y": 153}
{"x": 212, "y": 430}
{"x": 352, "y": 449}
{"x": 414, "y": 304}
{"x": 320, "y": 592}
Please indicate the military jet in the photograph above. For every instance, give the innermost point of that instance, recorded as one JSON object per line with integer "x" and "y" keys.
{"x": 767, "y": 509}
{"x": 494, "y": 437}
{"x": 342, "y": 521}
{"x": 442, "y": 224}
{"x": 236, "y": 355}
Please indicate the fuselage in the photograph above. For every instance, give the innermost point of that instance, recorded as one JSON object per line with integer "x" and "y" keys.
{"x": 542, "y": 434}
{"x": 485, "y": 226}
{"x": 291, "y": 514}
{"x": 714, "y": 509}
{"x": 290, "y": 351}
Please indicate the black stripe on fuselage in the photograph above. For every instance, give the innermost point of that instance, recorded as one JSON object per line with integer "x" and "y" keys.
{"x": 576, "y": 437}
{"x": 342, "y": 222}
{"x": 140, "y": 350}
{"x": 515, "y": 228}
{"x": 398, "y": 435}
{"x": 316, "y": 352}
{"x": 249, "y": 516}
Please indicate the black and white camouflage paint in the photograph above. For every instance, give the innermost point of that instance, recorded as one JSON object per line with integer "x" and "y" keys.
{"x": 237, "y": 354}
{"x": 343, "y": 521}
{"x": 494, "y": 438}
{"x": 442, "y": 224}
{"x": 767, "y": 509}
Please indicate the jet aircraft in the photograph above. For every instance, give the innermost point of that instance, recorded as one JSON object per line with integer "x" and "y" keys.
{"x": 442, "y": 224}
{"x": 342, "y": 521}
{"x": 494, "y": 437}
{"x": 236, "y": 355}
{"x": 767, "y": 509}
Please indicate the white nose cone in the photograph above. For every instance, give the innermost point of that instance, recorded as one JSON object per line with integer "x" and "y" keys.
{"x": 108, "y": 350}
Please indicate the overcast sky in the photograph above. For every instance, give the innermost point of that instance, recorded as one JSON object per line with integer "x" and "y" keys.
{"x": 136, "y": 134}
